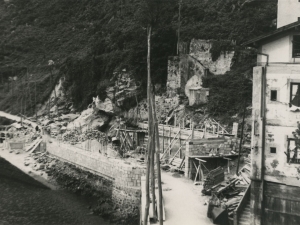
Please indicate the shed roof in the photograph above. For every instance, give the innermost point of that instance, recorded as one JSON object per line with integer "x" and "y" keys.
{"x": 274, "y": 33}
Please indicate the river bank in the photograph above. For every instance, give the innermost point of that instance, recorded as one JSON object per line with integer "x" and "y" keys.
{"x": 85, "y": 183}
{"x": 51, "y": 172}
{"x": 24, "y": 201}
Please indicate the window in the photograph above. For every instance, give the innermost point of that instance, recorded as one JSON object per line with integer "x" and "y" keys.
{"x": 293, "y": 152}
{"x": 295, "y": 94}
{"x": 273, "y": 95}
{"x": 296, "y": 46}
{"x": 273, "y": 150}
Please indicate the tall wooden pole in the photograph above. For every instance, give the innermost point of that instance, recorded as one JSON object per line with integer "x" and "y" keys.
{"x": 179, "y": 24}
{"x": 163, "y": 138}
{"x": 149, "y": 128}
{"x": 157, "y": 153}
{"x": 242, "y": 134}
{"x": 25, "y": 93}
{"x": 153, "y": 170}
{"x": 35, "y": 99}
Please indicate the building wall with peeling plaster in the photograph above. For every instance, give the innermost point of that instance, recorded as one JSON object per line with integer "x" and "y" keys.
{"x": 280, "y": 124}
{"x": 274, "y": 182}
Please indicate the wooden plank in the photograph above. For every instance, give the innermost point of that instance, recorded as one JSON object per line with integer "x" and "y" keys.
{"x": 228, "y": 185}
{"x": 35, "y": 146}
{"x": 201, "y": 160}
{"x": 210, "y": 157}
{"x": 171, "y": 144}
{"x": 179, "y": 149}
{"x": 282, "y": 191}
{"x": 197, "y": 173}
{"x": 128, "y": 138}
{"x": 182, "y": 163}
{"x": 245, "y": 177}
{"x": 281, "y": 208}
{"x": 288, "y": 214}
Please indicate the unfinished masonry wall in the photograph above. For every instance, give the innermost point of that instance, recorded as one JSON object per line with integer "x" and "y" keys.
{"x": 204, "y": 147}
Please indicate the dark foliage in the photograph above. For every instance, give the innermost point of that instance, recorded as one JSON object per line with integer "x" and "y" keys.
{"x": 89, "y": 39}
{"x": 229, "y": 93}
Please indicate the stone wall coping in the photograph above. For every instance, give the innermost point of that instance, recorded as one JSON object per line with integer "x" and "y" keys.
{"x": 119, "y": 162}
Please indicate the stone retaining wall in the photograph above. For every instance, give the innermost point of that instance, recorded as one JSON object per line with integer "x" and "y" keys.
{"x": 122, "y": 174}
{"x": 121, "y": 181}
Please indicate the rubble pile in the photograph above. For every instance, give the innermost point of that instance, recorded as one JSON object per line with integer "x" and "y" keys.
{"x": 23, "y": 133}
{"x": 74, "y": 136}
{"x": 39, "y": 161}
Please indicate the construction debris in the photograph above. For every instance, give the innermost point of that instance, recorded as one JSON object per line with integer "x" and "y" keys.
{"x": 74, "y": 136}
{"x": 229, "y": 194}
{"x": 213, "y": 178}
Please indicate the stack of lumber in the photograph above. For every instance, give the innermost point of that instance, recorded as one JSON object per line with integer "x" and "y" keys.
{"x": 214, "y": 177}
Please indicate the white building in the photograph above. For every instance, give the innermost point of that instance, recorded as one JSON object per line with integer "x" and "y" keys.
{"x": 275, "y": 176}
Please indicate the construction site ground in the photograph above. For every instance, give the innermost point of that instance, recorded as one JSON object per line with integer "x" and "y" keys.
{"x": 183, "y": 201}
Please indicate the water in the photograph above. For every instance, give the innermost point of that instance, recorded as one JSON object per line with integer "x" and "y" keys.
{"x": 24, "y": 204}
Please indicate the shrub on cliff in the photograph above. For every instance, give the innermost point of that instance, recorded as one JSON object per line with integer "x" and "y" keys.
{"x": 229, "y": 93}
{"x": 90, "y": 39}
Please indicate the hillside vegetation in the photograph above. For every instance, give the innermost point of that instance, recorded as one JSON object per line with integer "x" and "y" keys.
{"x": 89, "y": 39}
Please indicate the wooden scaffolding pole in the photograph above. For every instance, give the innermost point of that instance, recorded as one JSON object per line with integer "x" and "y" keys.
{"x": 241, "y": 139}
{"x": 157, "y": 153}
{"x": 149, "y": 147}
{"x": 152, "y": 136}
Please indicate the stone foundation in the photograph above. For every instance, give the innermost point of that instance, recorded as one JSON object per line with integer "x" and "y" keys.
{"x": 116, "y": 203}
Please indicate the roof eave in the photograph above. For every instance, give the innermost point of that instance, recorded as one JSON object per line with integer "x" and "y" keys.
{"x": 255, "y": 41}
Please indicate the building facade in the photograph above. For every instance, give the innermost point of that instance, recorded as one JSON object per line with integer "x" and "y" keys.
{"x": 275, "y": 175}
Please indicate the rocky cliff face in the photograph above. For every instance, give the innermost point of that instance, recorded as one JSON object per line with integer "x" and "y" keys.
{"x": 89, "y": 40}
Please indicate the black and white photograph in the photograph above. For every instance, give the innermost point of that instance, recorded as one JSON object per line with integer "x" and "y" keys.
{"x": 149, "y": 112}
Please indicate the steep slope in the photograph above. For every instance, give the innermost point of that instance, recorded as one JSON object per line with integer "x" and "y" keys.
{"x": 89, "y": 39}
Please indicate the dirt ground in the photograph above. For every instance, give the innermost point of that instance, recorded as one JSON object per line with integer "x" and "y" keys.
{"x": 184, "y": 203}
